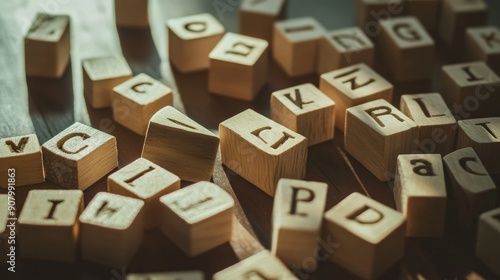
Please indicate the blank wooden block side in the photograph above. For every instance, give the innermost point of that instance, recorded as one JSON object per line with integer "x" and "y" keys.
{"x": 256, "y": 18}
{"x": 426, "y": 11}
{"x": 131, "y": 13}
{"x": 488, "y": 232}
{"x": 456, "y": 16}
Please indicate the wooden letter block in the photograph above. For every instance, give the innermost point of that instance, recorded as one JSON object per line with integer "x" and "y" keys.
{"x": 436, "y": 124}
{"x": 180, "y": 145}
{"x": 191, "y": 39}
{"x": 47, "y": 46}
{"x": 137, "y": 100}
{"x": 483, "y": 43}
{"x": 305, "y": 110}
{"x": 488, "y": 233}
{"x": 426, "y": 11}
{"x": 257, "y": 17}
{"x": 261, "y": 150}
{"x": 352, "y": 86}
{"x": 197, "y": 218}
{"x": 131, "y": 13}
{"x": 23, "y": 154}
{"x": 369, "y": 12}
{"x": 376, "y": 133}
{"x": 238, "y": 66}
{"x": 79, "y": 156}
{"x": 297, "y": 217}
{"x": 100, "y": 76}
{"x": 48, "y": 225}
{"x": 111, "y": 229}
{"x": 361, "y": 224}
{"x": 4, "y": 230}
{"x": 457, "y": 15}
{"x": 296, "y": 45}
{"x": 181, "y": 275}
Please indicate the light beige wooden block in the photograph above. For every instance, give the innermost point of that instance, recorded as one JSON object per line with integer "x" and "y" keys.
{"x": 426, "y": 11}
{"x": 180, "y": 145}
{"x": 305, "y": 110}
{"x": 473, "y": 188}
{"x": 4, "y": 230}
{"x": 352, "y": 86}
{"x": 47, "y": 46}
{"x": 436, "y": 124}
{"x": 483, "y": 43}
{"x": 296, "y": 45}
{"x": 297, "y": 217}
{"x": 257, "y": 18}
{"x": 261, "y": 150}
{"x": 483, "y": 135}
{"x": 111, "y": 229}
{"x": 367, "y": 13}
{"x": 197, "y": 218}
{"x": 487, "y": 245}
{"x": 361, "y": 224}
{"x": 24, "y": 155}
{"x": 238, "y": 66}
{"x": 457, "y": 15}
{"x": 100, "y": 76}
{"x": 131, "y": 13}
{"x": 48, "y": 225}
{"x": 181, "y": 275}
{"x": 79, "y": 156}
{"x": 344, "y": 47}
{"x": 262, "y": 265}
{"x": 376, "y": 133}
{"x": 420, "y": 194}
{"x": 191, "y": 39}
{"x": 137, "y": 100}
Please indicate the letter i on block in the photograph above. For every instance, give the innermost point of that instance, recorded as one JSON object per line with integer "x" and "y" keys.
{"x": 488, "y": 234}
{"x": 4, "y": 230}
{"x": 483, "y": 43}
{"x": 131, "y": 13}
{"x": 257, "y": 18}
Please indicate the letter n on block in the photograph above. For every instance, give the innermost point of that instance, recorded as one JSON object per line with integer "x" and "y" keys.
{"x": 488, "y": 234}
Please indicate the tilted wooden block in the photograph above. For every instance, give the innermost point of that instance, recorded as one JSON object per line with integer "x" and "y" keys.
{"x": 100, "y": 76}
{"x": 352, "y": 86}
{"x": 487, "y": 245}
{"x": 361, "y": 224}
{"x": 4, "y": 230}
{"x": 257, "y": 18}
{"x": 180, "y": 145}
{"x": 23, "y": 154}
{"x": 79, "y": 156}
{"x": 191, "y": 39}
{"x": 181, "y": 275}
{"x": 197, "y": 218}
{"x": 261, "y": 150}
{"x": 111, "y": 229}
{"x": 426, "y": 11}
{"x": 369, "y": 12}
{"x": 483, "y": 43}
{"x": 131, "y": 13}
{"x": 48, "y": 225}
{"x": 47, "y": 46}
{"x": 376, "y": 133}
{"x": 137, "y": 100}
{"x": 305, "y": 110}
{"x": 457, "y": 15}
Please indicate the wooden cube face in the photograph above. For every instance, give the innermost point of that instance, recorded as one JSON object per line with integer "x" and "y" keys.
{"x": 180, "y": 145}
{"x": 305, "y": 110}
{"x": 261, "y": 150}
{"x": 111, "y": 229}
{"x": 487, "y": 246}
{"x": 426, "y": 11}
{"x": 369, "y": 12}
{"x": 131, "y": 13}
{"x": 457, "y": 15}
{"x": 137, "y": 100}
{"x": 197, "y": 218}
{"x": 181, "y": 275}
{"x": 361, "y": 224}
{"x": 483, "y": 43}
{"x": 24, "y": 155}
{"x": 256, "y": 18}
{"x": 191, "y": 39}
{"x": 48, "y": 225}
{"x": 352, "y": 86}
{"x": 4, "y": 230}
{"x": 238, "y": 66}
{"x": 79, "y": 156}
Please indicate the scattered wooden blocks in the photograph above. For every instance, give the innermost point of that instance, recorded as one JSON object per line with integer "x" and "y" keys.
{"x": 48, "y": 225}
{"x": 257, "y": 18}
{"x": 4, "y": 230}
{"x": 305, "y": 110}
{"x": 261, "y": 150}
{"x": 191, "y": 39}
{"x": 79, "y": 156}
{"x": 47, "y": 46}
{"x": 180, "y": 145}
{"x": 456, "y": 16}
{"x": 197, "y": 218}
{"x": 181, "y": 275}
{"x": 426, "y": 11}
{"x": 488, "y": 232}
{"x": 376, "y": 133}
{"x": 23, "y": 154}
{"x": 137, "y": 100}
{"x": 131, "y": 13}
{"x": 369, "y": 12}
{"x": 361, "y": 224}
{"x": 483, "y": 43}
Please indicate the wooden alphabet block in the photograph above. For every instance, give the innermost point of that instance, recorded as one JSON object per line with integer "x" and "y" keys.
{"x": 369, "y": 12}
{"x": 261, "y": 150}
{"x": 296, "y": 45}
{"x": 352, "y": 86}
{"x": 79, "y": 156}
{"x": 100, "y": 76}
{"x": 483, "y": 43}
{"x": 24, "y": 155}
{"x": 257, "y": 18}
{"x": 457, "y": 15}
{"x": 137, "y": 100}
{"x": 131, "y": 13}
{"x": 305, "y": 110}
{"x": 426, "y": 11}
{"x": 191, "y": 39}
{"x": 197, "y": 218}
{"x": 488, "y": 233}
{"x": 238, "y": 66}
{"x": 48, "y": 225}
{"x": 361, "y": 224}
{"x": 111, "y": 229}
{"x": 376, "y": 133}
{"x": 180, "y": 145}
{"x": 4, "y": 230}
{"x": 47, "y": 46}
{"x": 181, "y": 275}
